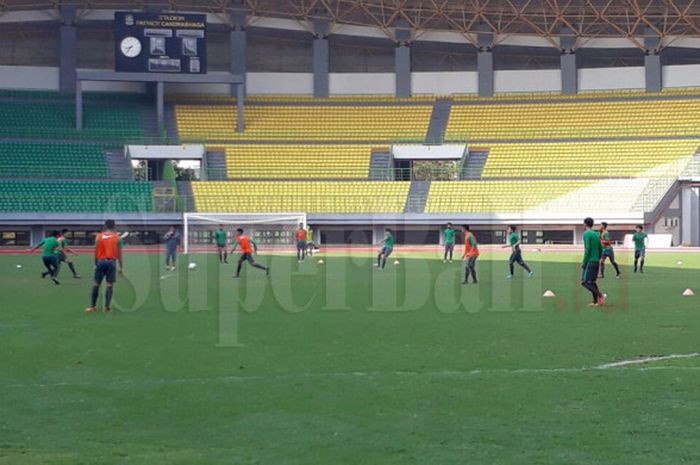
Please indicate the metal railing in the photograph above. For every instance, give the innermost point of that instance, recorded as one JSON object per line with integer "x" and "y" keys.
{"x": 305, "y": 173}
{"x": 661, "y": 180}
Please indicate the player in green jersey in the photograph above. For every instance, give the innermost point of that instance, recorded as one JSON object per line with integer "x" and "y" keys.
{"x": 448, "y": 235}
{"x": 221, "y": 239}
{"x": 51, "y": 249}
{"x": 516, "y": 255}
{"x": 608, "y": 251}
{"x": 387, "y": 249}
{"x": 640, "y": 247}
{"x": 310, "y": 241}
{"x": 593, "y": 250}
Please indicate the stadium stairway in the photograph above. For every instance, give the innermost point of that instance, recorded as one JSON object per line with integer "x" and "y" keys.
{"x": 438, "y": 121}
{"x": 149, "y": 123}
{"x": 417, "y": 197}
{"x": 474, "y": 164}
{"x": 170, "y": 123}
{"x": 380, "y": 165}
{"x": 119, "y": 165}
{"x": 185, "y": 192}
{"x": 215, "y": 162}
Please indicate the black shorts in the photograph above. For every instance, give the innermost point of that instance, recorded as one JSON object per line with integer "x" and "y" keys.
{"x": 516, "y": 257}
{"x": 301, "y": 245}
{"x": 471, "y": 261}
{"x": 246, "y": 257}
{"x": 51, "y": 261}
{"x": 590, "y": 272}
{"x": 107, "y": 270}
{"x": 640, "y": 254}
{"x": 609, "y": 253}
{"x": 62, "y": 257}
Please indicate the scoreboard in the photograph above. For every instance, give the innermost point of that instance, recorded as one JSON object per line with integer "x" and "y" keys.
{"x": 160, "y": 43}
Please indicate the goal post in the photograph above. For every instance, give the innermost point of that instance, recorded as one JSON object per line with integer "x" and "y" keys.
{"x": 270, "y": 229}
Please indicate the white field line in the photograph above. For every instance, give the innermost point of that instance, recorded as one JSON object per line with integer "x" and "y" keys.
{"x": 452, "y": 374}
{"x": 638, "y": 361}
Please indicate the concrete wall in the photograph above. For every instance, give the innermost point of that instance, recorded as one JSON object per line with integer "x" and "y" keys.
{"x": 536, "y": 80}
{"x": 28, "y": 77}
{"x": 280, "y": 83}
{"x": 362, "y": 83}
{"x": 133, "y": 87}
{"x": 46, "y": 78}
{"x": 611, "y": 78}
{"x": 680, "y": 76}
{"x": 458, "y": 82}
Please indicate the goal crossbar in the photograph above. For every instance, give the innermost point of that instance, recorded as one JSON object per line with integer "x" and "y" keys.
{"x": 239, "y": 219}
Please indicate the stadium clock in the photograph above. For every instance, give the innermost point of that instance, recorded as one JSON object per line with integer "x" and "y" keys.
{"x": 130, "y": 47}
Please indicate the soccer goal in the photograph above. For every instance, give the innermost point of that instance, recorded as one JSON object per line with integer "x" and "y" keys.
{"x": 269, "y": 229}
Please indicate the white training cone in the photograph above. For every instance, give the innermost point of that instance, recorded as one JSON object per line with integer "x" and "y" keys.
{"x": 548, "y": 293}
{"x": 396, "y": 262}
{"x": 679, "y": 262}
{"x": 320, "y": 261}
{"x": 688, "y": 292}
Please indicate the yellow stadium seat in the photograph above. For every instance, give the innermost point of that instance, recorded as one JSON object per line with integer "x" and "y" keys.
{"x": 495, "y": 196}
{"x": 574, "y": 120}
{"x": 299, "y": 161}
{"x": 301, "y": 196}
{"x": 584, "y": 159}
{"x": 305, "y": 122}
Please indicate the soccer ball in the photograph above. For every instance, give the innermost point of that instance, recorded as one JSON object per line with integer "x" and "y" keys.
{"x": 19, "y": 266}
{"x": 679, "y": 262}
{"x": 320, "y": 261}
{"x": 192, "y": 266}
{"x": 396, "y": 262}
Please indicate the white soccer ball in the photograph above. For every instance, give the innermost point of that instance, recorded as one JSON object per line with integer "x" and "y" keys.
{"x": 192, "y": 266}
{"x": 320, "y": 261}
{"x": 679, "y": 262}
{"x": 19, "y": 266}
{"x": 396, "y": 262}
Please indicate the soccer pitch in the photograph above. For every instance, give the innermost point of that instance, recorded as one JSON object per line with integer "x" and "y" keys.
{"x": 340, "y": 363}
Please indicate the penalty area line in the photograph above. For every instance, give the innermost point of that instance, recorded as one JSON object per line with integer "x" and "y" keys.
{"x": 456, "y": 375}
{"x": 644, "y": 360}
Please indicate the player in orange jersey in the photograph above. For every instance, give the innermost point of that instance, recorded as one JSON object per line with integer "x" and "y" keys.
{"x": 248, "y": 248}
{"x": 108, "y": 252}
{"x": 471, "y": 253}
{"x": 301, "y": 242}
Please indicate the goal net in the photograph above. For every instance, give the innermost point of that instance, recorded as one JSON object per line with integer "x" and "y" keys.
{"x": 266, "y": 229}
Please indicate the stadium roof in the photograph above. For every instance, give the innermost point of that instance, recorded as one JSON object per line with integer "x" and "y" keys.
{"x": 550, "y": 19}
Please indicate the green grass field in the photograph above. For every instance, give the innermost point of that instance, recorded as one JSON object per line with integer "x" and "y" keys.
{"x": 341, "y": 364}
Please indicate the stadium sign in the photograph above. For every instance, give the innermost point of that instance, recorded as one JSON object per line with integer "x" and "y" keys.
{"x": 160, "y": 43}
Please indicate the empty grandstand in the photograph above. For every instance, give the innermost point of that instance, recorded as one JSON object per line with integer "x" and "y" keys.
{"x": 540, "y": 135}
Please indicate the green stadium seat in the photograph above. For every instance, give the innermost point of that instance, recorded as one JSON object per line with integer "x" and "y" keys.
{"x": 75, "y": 196}
{"x": 34, "y": 159}
{"x": 54, "y": 120}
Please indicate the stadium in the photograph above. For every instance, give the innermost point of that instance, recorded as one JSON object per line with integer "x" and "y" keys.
{"x": 349, "y": 231}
